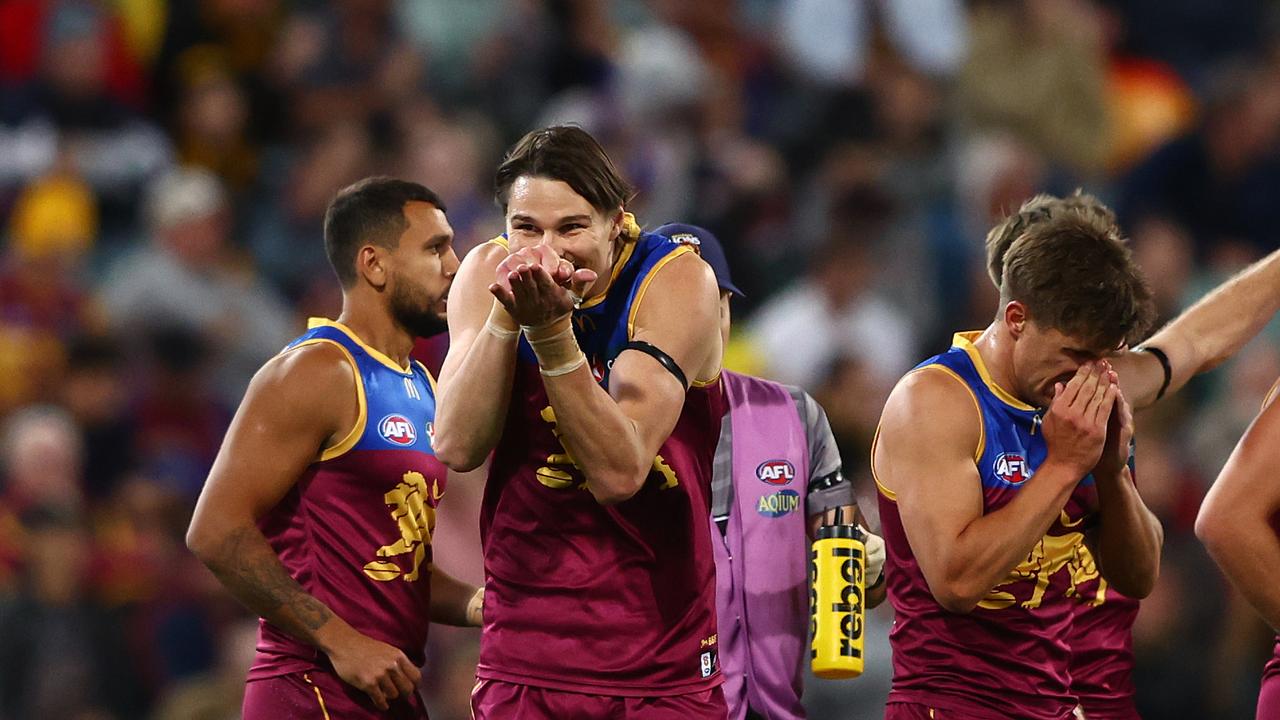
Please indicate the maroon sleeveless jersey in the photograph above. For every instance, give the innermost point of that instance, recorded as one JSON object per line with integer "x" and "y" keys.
{"x": 616, "y": 600}
{"x": 355, "y": 531}
{"x": 1101, "y": 643}
{"x": 1008, "y": 657}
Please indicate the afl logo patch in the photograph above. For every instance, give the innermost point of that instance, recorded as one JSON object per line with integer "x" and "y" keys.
{"x": 397, "y": 429}
{"x": 776, "y": 472}
{"x": 1012, "y": 468}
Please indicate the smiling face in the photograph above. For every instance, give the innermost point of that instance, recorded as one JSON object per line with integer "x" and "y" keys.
{"x": 421, "y": 269}
{"x": 542, "y": 211}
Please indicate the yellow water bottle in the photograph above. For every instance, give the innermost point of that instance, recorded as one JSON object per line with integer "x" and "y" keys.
{"x": 837, "y": 577}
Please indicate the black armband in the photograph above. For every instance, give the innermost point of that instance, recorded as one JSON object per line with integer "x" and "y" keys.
{"x": 1158, "y": 354}
{"x": 826, "y": 482}
{"x": 663, "y": 359}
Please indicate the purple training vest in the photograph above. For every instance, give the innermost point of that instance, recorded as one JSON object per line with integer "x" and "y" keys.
{"x": 762, "y": 588}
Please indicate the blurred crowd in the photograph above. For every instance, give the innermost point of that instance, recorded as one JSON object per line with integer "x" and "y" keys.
{"x": 164, "y": 168}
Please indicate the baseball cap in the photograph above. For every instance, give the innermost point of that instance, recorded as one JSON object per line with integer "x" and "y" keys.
{"x": 705, "y": 243}
{"x": 184, "y": 194}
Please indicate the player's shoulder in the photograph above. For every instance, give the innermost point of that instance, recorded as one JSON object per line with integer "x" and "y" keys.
{"x": 308, "y": 373}
{"x": 682, "y": 275}
{"x": 932, "y": 398}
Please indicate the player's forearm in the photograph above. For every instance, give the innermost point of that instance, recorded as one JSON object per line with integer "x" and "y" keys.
{"x": 453, "y": 602}
{"x": 1219, "y": 324}
{"x": 1248, "y": 551}
{"x": 991, "y": 546}
{"x": 471, "y": 403}
{"x": 249, "y": 568}
{"x": 1129, "y": 537}
{"x": 604, "y": 442}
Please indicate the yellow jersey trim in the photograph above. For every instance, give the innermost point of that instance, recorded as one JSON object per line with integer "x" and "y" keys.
{"x": 982, "y": 429}
{"x": 964, "y": 341}
{"x": 628, "y": 249}
{"x": 884, "y": 490}
{"x": 362, "y": 412}
{"x": 982, "y": 426}
{"x": 708, "y": 383}
{"x": 644, "y": 286}
{"x": 316, "y": 322}
{"x": 499, "y": 240}
{"x": 1271, "y": 394}
{"x": 319, "y": 698}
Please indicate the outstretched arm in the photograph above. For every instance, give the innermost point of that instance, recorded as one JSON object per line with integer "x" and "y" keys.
{"x": 1206, "y": 334}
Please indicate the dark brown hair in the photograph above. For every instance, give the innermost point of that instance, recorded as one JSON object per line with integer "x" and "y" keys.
{"x": 568, "y": 154}
{"x": 369, "y": 211}
{"x": 1076, "y": 275}
{"x": 1037, "y": 209}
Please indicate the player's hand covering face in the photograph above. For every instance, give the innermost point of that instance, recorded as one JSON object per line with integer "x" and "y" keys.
{"x": 1075, "y": 426}
{"x": 1115, "y": 454}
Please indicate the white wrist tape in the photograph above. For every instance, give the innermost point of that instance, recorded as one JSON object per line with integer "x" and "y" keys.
{"x": 564, "y": 369}
{"x": 498, "y": 331}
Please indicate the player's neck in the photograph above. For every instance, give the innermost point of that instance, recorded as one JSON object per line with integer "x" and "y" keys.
{"x": 376, "y": 328}
{"x": 604, "y": 279}
{"x": 996, "y": 349}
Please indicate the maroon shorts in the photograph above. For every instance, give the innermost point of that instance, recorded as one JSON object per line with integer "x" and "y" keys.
{"x": 319, "y": 695}
{"x": 499, "y": 700}
{"x": 1269, "y": 699}
{"x": 917, "y": 711}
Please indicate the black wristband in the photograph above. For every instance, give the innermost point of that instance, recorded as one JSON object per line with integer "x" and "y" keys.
{"x": 1164, "y": 363}
{"x": 663, "y": 359}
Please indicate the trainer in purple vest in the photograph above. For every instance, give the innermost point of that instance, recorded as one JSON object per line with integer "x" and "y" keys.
{"x": 776, "y": 465}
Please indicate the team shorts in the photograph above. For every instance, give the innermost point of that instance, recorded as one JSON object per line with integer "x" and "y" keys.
{"x": 499, "y": 700}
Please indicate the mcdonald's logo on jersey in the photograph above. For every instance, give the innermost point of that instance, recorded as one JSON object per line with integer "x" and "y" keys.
{"x": 1012, "y": 468}
{"x": 397, "y": 429}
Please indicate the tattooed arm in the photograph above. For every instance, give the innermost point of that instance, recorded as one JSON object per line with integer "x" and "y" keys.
{"x": 299, "y": 403}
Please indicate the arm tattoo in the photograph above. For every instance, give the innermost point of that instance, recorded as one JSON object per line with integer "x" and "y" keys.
{"x": 251, "y": 570}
